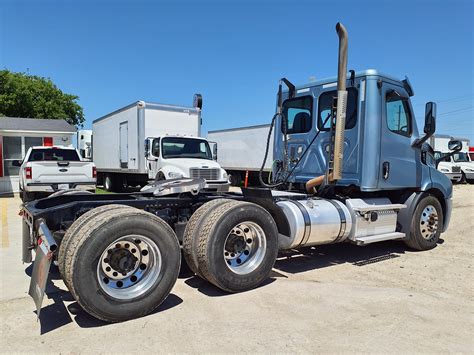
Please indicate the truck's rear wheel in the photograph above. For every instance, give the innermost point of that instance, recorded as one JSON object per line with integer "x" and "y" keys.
{"x": 109, "y": 183}
{"x": 191, "y": 233}
{"x": 75, "y": 228}
{"x": 123, "y": 264}
{"x": 237, "y": 247}
{"x": 426, "y": 224}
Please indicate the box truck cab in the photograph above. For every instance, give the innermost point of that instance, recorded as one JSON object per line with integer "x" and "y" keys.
{"x": 151, "y": 141}
{"x": 458, "y": 164}
{"x": 175, "y": 157}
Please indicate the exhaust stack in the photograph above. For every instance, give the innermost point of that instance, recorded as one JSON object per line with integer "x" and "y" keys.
{"x": 341, "y": 102}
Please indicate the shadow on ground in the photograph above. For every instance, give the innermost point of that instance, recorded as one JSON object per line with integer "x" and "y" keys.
{"x": 56, "y": 315}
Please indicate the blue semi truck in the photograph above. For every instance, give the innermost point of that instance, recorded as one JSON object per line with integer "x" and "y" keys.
{"x": 350, "y": 166}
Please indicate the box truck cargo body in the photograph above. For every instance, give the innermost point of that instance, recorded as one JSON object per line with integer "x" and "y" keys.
{"x": 242, "y": 150}
{"x": 123, "y": 142}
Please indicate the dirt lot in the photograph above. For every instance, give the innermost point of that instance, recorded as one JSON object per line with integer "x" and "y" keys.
{"x": 339, "y": 298}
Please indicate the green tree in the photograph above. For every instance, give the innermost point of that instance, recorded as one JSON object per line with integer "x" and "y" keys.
{"x": 31, "y": 96}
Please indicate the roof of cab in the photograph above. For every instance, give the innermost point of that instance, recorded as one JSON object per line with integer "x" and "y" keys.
{"x": 358, "y": 74}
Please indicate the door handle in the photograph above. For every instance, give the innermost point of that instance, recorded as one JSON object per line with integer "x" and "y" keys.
{"x": 386, "y": 169}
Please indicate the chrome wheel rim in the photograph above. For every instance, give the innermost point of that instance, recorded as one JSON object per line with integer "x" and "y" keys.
{"x": 129, "y": 266}
{"x": 428, "y": 222}
{"x": 245, "y": 247}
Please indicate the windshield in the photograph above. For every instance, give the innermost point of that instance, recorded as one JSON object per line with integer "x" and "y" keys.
{"x": 177, "y": 147}
{"x": 53, "y": 154}
{"x": 461, "y": 157}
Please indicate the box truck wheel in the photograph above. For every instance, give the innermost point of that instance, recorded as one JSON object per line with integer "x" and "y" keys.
{"x": 123, "y": 264}
{"x": 426, "y": 224}
{"x": 73, "y": 230}
{"x": 235, "y": 178}
{"x": 109, "y": 183}
{"x": 191, "y": 233}
{"x": 237, "y": 246}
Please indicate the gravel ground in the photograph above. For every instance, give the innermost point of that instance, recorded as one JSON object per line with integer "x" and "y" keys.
{"x": 337, "y": 298}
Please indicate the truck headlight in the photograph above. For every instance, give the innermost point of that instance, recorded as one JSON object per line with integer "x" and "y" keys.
{"x": 445, "y": 170}
{"x": 175, "y": 175}
{"x": 224, "y": 175}
{"x": 469, "y": 169}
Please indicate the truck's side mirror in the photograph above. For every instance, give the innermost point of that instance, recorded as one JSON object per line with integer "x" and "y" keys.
{"x": 16, "y": 163}
{"x": 430, "y": 118}
{"x": 430, "y": 124}
{"x": 147, "y": 148}
{"x": 455, "y": 146}
{"x": 214, "y": 152}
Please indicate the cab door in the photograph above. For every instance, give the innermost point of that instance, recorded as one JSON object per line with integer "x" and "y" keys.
{"x": 400, "y": 163}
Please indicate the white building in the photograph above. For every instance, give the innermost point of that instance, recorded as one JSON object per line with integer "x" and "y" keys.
{"x": 19, "y": 134}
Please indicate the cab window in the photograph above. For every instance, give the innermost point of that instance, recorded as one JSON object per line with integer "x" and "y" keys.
{"x": 399, "y": 119}
{"x": 298, "y": 115}
{"x": 325, "y": 107}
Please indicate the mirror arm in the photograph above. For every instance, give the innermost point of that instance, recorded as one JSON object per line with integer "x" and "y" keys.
{"x": 419, "y": 141}
{"x": 448, "y": 155}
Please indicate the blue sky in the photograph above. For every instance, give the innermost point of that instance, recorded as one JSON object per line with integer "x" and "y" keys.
{"x": 111, "y": 53}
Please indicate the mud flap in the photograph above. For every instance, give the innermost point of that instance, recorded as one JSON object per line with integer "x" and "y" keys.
{"x": 43, "y": 259}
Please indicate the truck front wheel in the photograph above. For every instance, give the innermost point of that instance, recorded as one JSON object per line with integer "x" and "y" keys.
{"x": 238, "y": 245}
{"x": 123, "y": 264}
{"x": 426, "y": 224}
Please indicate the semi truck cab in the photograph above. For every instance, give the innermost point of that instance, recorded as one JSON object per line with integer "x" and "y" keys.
{"x": 176, "y": 157}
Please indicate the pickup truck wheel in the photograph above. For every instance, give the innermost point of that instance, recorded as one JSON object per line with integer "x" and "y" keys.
{"x": 124, "y": 264}
{"x": 426, "y": 224}
{"x": 74, "y": 229}
{"x": 28, "y": 196}
{"x": 193, "y": 227}
{"x": 237, "y": 246}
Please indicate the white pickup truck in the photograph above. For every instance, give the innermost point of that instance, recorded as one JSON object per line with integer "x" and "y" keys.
{"x": 46, "y": 170}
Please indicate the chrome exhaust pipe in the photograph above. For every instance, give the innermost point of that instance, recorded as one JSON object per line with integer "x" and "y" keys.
{"x": 341, "y": 102}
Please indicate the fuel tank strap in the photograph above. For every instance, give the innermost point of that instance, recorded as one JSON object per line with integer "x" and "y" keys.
{"x": 342, "y": 216}
{"x": 307, "y": 222}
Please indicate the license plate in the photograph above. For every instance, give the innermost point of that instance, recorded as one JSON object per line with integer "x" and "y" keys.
{"x": 63, "y": 186}
{"x": 39, "y": 276}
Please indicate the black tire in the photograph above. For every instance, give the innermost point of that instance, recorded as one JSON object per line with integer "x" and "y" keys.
{"x": 216, "y": 228}
{"x": 191, "y": 233}
{"x": 160, "y": 176}
{"x": 28, "y": 196}
{"x": 109, "y": 183}
{"x": 235, "y": 178}
{"x": 74, "y": 229}
{"x": 416, "y": 240}
{"x": 87, "y": 247}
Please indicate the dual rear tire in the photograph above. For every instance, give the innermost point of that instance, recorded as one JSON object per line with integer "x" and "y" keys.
{"x": 231, "y": 244}
{"x": 119, "y": 262}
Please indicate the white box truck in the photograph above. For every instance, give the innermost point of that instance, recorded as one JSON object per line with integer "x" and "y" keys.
{"x": 150, "y": 141}
{"x": 242, "y": 150}
{"x": 459, "y": 166}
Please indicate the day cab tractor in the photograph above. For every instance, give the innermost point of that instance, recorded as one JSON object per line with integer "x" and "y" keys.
{"x": 351, "y": 167}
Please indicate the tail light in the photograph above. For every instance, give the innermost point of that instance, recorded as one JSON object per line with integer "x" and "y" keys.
{"x": 28, "y": 172}
{"x": 94, "y": 172}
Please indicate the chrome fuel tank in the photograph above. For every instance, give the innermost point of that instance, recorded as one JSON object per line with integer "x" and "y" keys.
{"x": 314, "y": 221}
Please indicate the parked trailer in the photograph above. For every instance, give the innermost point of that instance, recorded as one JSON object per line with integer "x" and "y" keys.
{"x": 241, "y": 151}
{"x": 146, "y": 141}
{"x": 119, "y": 254}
